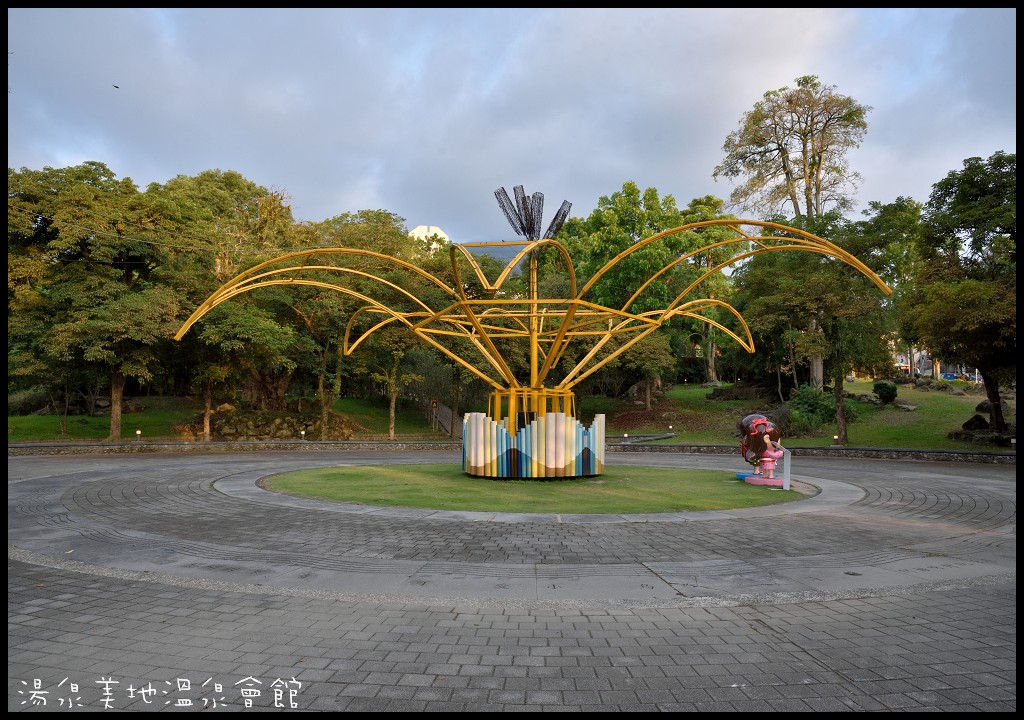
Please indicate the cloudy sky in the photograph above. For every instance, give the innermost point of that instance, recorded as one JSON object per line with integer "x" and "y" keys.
{"x": 426, "y": 112}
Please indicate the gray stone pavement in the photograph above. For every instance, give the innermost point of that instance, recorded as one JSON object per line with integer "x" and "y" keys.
{"x": 173, "y": 582}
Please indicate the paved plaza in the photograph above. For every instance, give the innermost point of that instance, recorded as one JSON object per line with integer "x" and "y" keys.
{"x": 172, "y": 581}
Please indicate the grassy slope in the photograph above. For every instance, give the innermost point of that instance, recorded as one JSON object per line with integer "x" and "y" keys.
{"x": 694, "y": 419}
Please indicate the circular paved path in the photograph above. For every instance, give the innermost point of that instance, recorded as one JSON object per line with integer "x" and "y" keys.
{"x": 164, "y": 577}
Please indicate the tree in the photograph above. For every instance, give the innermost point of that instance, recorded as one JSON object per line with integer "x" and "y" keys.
{"x": 227, "y": 224}
{"x": 385, "y": 357}
{"x": 965, "y": 304}
{"x": 651, "y": 359}
{"x": 779, "y": 293}
{"x": 891, "y": 239}
{"x": 717, "y": 286}
{"x": 325, "y": 312}
{"x": 86, "y": 279}
{"x": 620, "y": 220}
{"x": 791, "y": 148}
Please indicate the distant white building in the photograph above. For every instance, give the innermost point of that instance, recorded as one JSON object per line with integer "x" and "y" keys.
{"x": 425, "y": 232}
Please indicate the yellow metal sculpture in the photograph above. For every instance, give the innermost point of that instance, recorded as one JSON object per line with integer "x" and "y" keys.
{"x": 469, "y": 328}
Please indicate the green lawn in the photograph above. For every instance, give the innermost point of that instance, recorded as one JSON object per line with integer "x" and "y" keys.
{"x": 621, "y": 489}
{"x": 156, "y": 421}
{"x": 694, "y": 419}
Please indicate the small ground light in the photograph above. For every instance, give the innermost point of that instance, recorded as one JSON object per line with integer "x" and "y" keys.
{"x": 835, "y": 439}
{"x": 138, "y": 434}
{"x": 303, "y": 434}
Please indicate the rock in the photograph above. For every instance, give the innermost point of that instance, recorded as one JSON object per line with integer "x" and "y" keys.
{"x": 985, "y": 407}
{"x": 976, "y": 423}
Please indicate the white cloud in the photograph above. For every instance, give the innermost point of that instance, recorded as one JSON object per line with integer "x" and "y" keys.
{"x": 425, "y": 112}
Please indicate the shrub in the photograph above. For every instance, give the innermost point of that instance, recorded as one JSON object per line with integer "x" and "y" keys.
{"x": 885, "y": 390}
{"x": 810, "y": 402}
{"x": 813, "y": 408}
{"x": 26, "y": 402}
{"x": 801, "y": 425}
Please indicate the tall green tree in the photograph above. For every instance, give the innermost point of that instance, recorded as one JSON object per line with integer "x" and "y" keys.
{"x": 778, "y": 294}
{"x": 965, "y": 304}
{"x": 323, "y": 312}
{"x": 791, "y": 153}
{"x": 227, "y": 224}
{"x": 717, "y": 286}
{"x": 891, "y": 241}
{"x": 791, "y": 150}
{"x": 620, "y": 221}
{"x": 387, "y": 364}
{"x": 87, "y": 278}
{"x": 652, "y": 360}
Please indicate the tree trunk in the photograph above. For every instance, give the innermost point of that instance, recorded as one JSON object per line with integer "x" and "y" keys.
{"x": 817, "y": 379}
{"x": 792, "y": 364}
{"x": 117, "y": 382}
{"x": 995, "y": 404}
{"x": 817, "y": 373}
{"x": 207, "y": 411}
{"x": 321, "y": 389}
{"x": 394, "y": 387}
{"x": 336, "y": 383}
{"x": 266, "y": 391}
{"x": 840, "y": 410}
{"x": 392, "y": 405}
{"x": 456, "y": 393}
{"x": 709, "y": 358}
{"x": 936, "y": 369}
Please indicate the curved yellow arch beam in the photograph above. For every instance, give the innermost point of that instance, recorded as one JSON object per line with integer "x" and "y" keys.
{"x": 549, "y": 325}
{"x": 244, "y": 281}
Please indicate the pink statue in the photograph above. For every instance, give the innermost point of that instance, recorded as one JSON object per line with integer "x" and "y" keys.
{"x": 757, "y": 434}
{"x": 769, "y": 456}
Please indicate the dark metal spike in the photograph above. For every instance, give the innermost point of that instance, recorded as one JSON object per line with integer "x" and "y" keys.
{"x": 511, "y": 214}
{"x": 558, "y": 219}
{"x": 523, "y": 205}
{"x": 536, "y": 214}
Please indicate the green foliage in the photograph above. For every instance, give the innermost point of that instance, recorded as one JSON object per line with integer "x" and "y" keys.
{"x": 29, "y": 400}
{"x": 804, "y": 424}
{"x": 101, "y": 275}
{"x": 885, "y": 390}
{"x": 816, "y": 407}
{"x": 696, "y": 419}
{"x": 791, "y": 149}
{"x": 620, "y": 221}
{"x": 964, "y": 304}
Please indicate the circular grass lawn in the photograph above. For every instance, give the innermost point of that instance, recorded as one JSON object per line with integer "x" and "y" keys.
{"x": 621, "y": 489}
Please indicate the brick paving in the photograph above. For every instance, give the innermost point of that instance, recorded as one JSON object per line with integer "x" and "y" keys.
{"x": 173, "y": 582}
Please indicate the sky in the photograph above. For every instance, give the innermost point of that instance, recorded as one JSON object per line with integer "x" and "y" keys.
{"x": 426, "y": 112}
